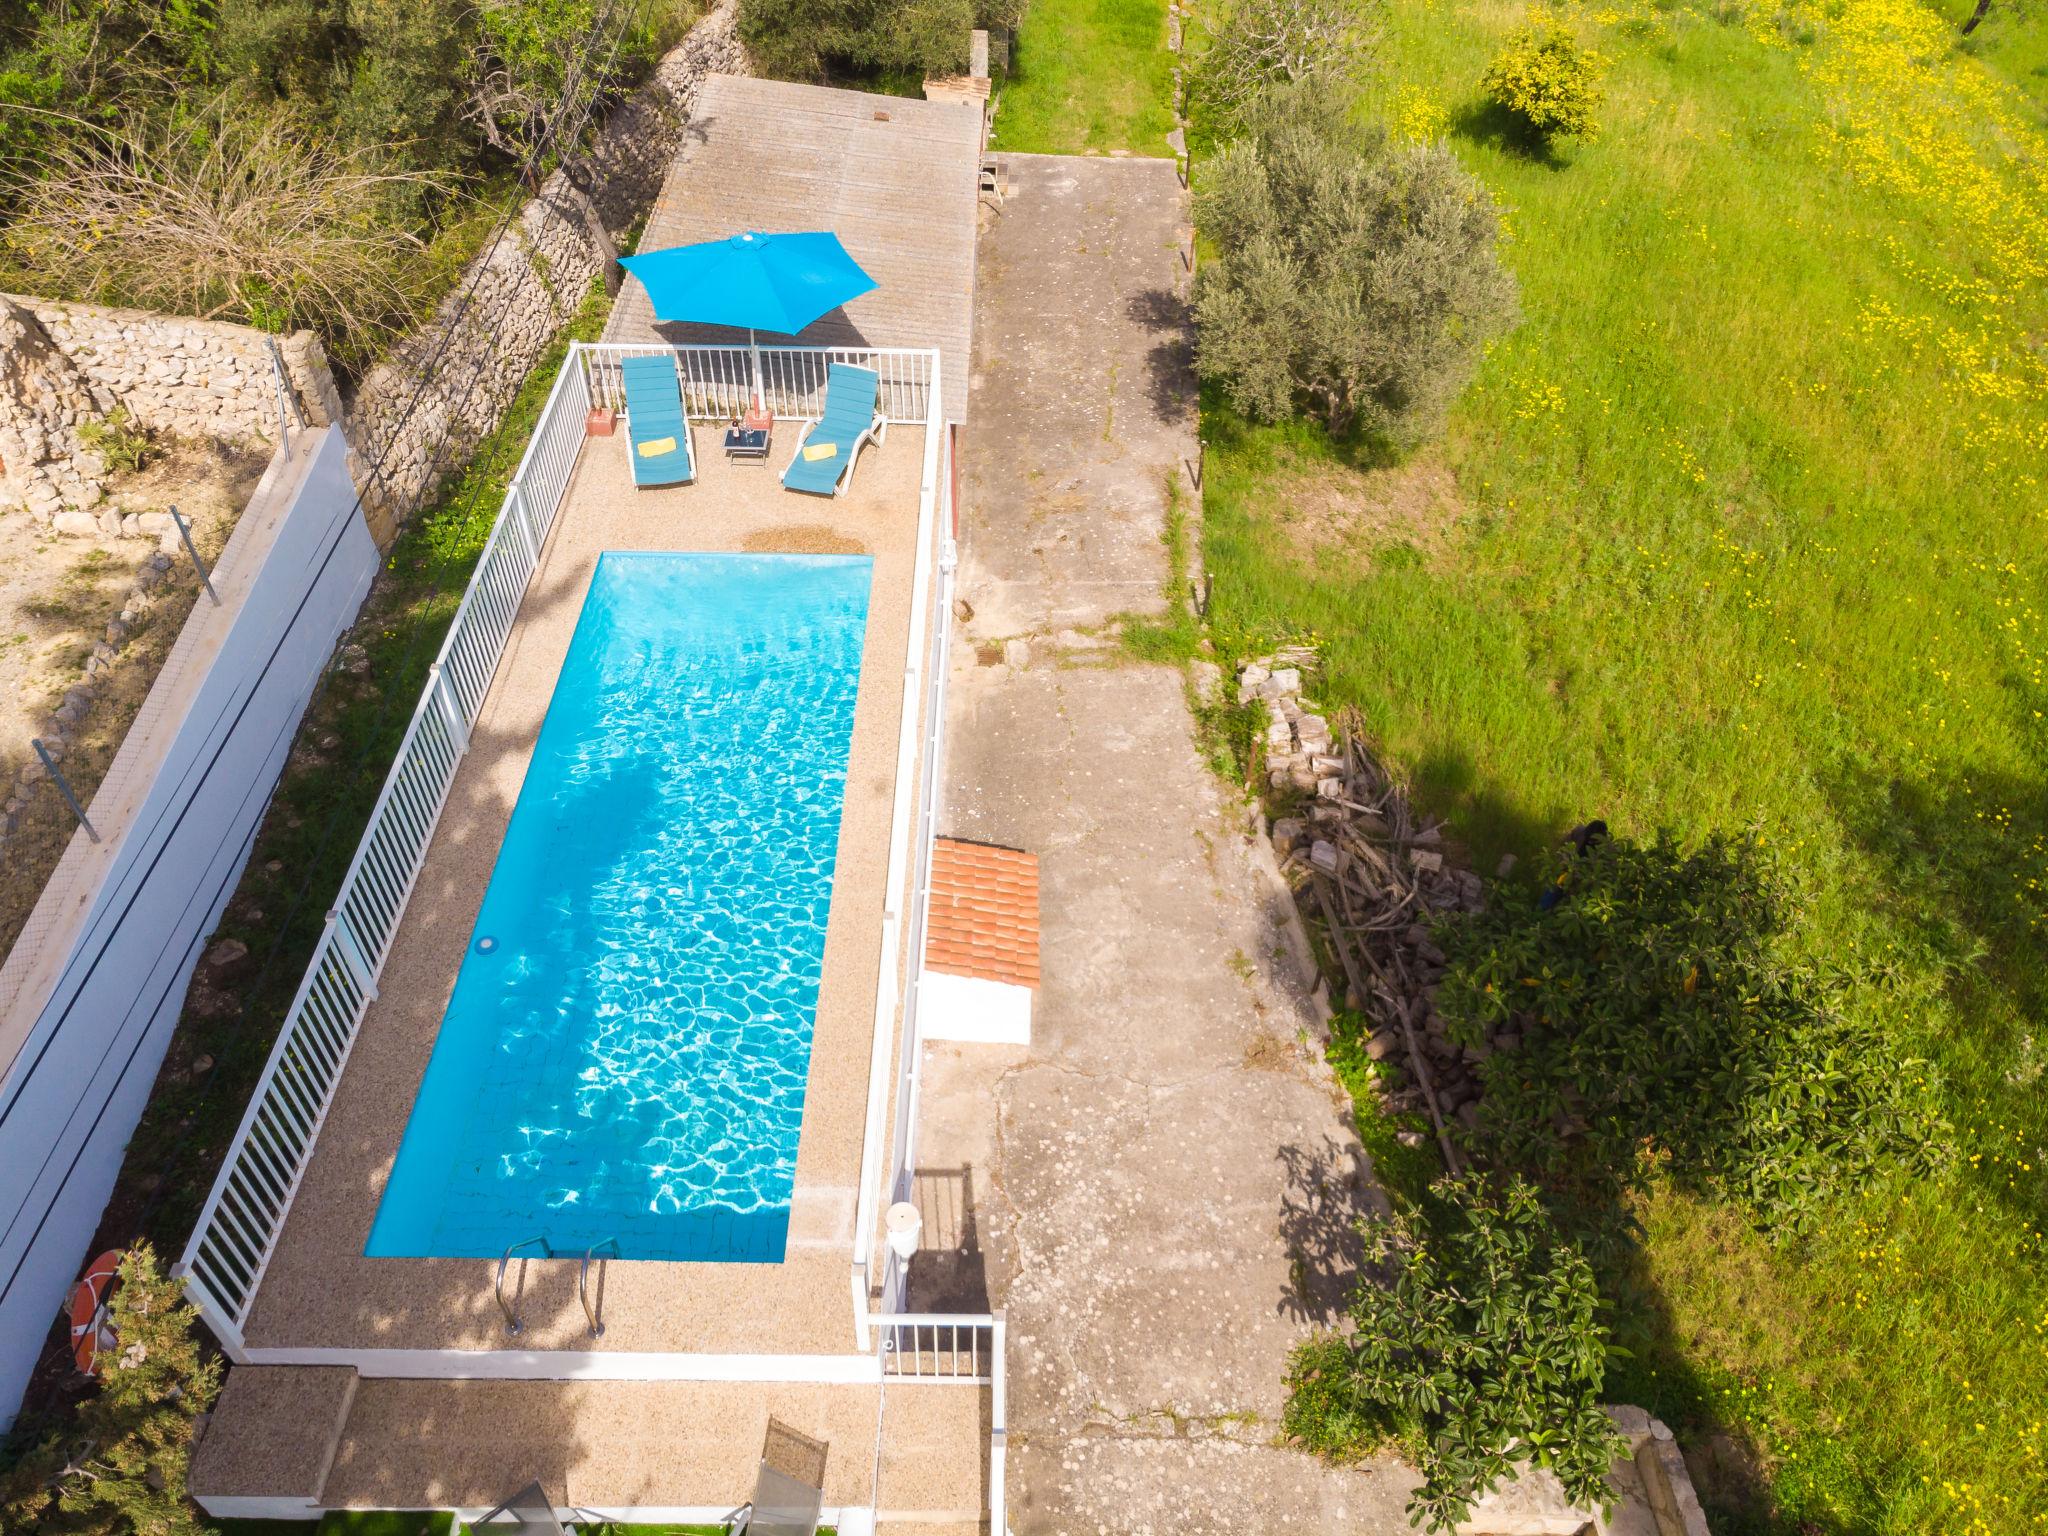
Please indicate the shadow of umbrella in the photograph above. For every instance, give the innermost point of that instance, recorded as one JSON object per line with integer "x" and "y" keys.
{"x": 755, "y": 281}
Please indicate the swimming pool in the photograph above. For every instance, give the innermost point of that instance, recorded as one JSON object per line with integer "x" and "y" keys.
{"x": 625, "y": 1050}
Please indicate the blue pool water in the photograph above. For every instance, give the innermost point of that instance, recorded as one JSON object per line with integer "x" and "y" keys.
{"x": 625, "y": 1051}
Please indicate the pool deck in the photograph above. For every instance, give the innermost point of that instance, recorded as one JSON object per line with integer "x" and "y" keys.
{"x": 320, "y": 1292}
{"x": 282, "y": 1433}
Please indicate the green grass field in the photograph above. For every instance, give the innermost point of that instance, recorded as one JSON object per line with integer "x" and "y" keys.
{"x": 1088, "y": 77}
{"x": 2012, "y": 39}
{"x": 1744, "y": 525}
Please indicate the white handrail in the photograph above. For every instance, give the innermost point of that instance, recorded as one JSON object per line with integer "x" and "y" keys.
{"x": 909, "y": 759}
{"x": 718, "y": 381}
{"x": 244, "y": 1215}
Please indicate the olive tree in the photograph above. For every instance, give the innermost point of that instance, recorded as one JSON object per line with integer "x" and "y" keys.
{"x": 1355, "y": 277}
{"x": 812, "y": 39}
{"x": 1267, "y": 42}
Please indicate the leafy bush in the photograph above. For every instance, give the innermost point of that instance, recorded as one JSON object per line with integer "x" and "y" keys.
{"x": 1354, "y": 275}
{"x": 1483, "y": 1352}
{"x": 1655, "y": 1021}
{"x": 357, "y": 121}
{"x": 1325, "y": 1413}
{"x": 1543, "y": 78}
{"x": 522, "y": 61}
{"x": 405, "y": 83}
{"x": 226, "y": 209}
{"x": 1269, "y": 42}
{"x": 119, "y": 1468}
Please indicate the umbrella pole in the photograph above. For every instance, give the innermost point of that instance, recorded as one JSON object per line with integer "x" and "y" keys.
{"x": 754, "y": 350}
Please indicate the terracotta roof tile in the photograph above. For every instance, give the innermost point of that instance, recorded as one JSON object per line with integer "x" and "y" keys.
{"x": 984, "y": 919}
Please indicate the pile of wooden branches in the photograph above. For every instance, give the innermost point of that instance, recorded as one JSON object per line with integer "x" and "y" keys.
{"x": 1371, "y": 875}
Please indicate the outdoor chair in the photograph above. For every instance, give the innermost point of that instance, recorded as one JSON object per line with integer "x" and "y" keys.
{"x": 657, "y": 432}
{"x": 789, "y": 1490}
{"x": 823, "y": 463}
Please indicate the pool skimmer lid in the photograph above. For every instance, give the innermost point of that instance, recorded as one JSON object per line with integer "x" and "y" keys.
{"x": 486, "y": 944}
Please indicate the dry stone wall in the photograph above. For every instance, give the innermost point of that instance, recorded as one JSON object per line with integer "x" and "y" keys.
{"x": 63, "y": 364}
{"x": 44, "y": 399}
{"x": 521, "y": 291}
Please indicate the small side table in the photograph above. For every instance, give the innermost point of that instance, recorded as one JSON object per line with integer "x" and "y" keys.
{"x": 746, "y": 443}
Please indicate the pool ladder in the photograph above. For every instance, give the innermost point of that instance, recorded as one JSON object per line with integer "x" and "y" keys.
{"x": 513, "y": 1325}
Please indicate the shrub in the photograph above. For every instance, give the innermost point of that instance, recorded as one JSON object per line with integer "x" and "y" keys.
{"x": 1548, "y": 82}
{"x": 1355, "y": 276}
{"x": 810, "y": 40}
{"x": 1652, "y": 1013}
{"x": 405, "y": 86}
{"x": 1268, "y": 42}
{"x": 231, "y": 209}
{"x": 120, "y": 1467}
{"x": 1483, "y": 1351}
{"x": 525, "y": 54}
{"x": 117, "y": 440}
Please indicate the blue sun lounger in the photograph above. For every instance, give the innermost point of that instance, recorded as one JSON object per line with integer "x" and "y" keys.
{"x": 657, "y": 433}
{"x": 849, "y": 422}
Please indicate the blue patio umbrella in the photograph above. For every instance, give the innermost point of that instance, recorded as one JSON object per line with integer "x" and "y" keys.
{"x": 754, "y": 281}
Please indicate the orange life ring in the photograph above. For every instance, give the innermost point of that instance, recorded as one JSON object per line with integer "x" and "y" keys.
{"x": 90, "y": 1331}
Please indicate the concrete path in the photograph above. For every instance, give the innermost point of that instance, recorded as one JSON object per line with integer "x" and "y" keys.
{"x": 1165, "y": 1199}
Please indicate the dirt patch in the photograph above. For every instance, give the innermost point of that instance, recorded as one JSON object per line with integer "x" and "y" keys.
{"x": 1267, "y": 1052}
{"x": 57, "y": 597}
{"x": 1326, "y": 507}
{"x": 803, "y": 539}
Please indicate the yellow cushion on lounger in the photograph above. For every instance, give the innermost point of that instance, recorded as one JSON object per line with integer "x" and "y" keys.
{"x": 822, "y": 451}
{"x": 654, "y": 447}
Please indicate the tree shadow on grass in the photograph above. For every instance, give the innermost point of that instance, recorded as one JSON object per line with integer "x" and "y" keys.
{"x": 1225, "y": 429}
{"x": 1485, "y": 820}
{"x": 1492, "y": 126}
{"x": 1721, "y": 1456}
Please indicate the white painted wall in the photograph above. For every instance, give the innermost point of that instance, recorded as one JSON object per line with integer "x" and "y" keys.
{"x": 970, "y": 1008}
{"x": 71, "y": 1095}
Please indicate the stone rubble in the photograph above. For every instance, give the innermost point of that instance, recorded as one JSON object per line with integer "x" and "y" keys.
{"x": 1371, "y": 875}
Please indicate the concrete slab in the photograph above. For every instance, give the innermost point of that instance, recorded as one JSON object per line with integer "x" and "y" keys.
{"x": 933, "y": 1454}
{"x": 1166, "y": 1198}
{"x": 320, "y": 1289}
{"x": 1082, "y": 404}
{"x": 272, "y": 1433}
{"x": 646, "y": 1444}
{"x": 599, "y": 1444}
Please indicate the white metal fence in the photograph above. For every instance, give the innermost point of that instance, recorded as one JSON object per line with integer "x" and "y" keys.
{"x": 244, "y": 1215}
{"x": 717, "y": 382}
{"x": 901, "y": 1168}
{"x": 965, "y": 1348}
{"x": 938, "y": 1346}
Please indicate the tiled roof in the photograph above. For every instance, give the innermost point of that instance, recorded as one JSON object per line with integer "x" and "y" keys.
{"x": 984, "y": 913}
